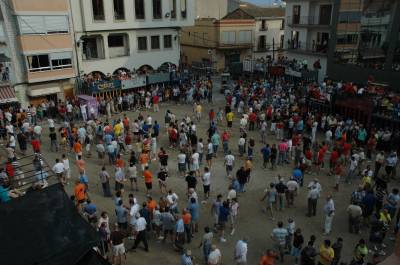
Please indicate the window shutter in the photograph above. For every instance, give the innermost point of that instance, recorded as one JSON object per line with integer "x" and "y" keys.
{"x": 60, "y": 55}
{"x": 56, "y": 24}
{"x": 31, "y": 25}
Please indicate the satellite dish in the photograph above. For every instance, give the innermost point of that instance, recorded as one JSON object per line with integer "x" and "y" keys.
{"x": 209, "y": 52}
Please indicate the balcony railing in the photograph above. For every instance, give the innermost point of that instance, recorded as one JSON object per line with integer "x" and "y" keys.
{"x": 307, "y": 47}
{"x": 308, "y": 21}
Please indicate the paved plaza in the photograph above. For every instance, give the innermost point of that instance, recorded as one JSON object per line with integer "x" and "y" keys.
{"x": 253, "y": 221}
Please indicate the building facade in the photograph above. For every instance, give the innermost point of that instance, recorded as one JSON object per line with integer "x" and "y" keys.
{"x": 268, "y": 30}
{"x": 308, "y": 31}
{"x": 128, "y": 34}
{"x": 40, "y": 44}
{"x": 222, "y": 42}
{"x": 366, "y": 43}
{"x": 214, "y": 8}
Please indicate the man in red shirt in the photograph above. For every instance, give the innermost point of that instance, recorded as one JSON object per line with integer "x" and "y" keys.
{"x": 333, "y": 159}
{"x": 252, "y": 120}
{"x": 225, "y": 141}
{"x": 268, "y": 258}
{"x": 155, "y": 103}
{"x": 35, "y": 145}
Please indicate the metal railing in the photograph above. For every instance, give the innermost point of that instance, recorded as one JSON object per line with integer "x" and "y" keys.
{"x": 311, "y": 47}
{"x": 308, "y": 21}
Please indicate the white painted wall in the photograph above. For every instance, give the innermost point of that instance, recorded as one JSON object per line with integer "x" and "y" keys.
{"x": 83, "y": 16}
{"x": 154, "y": 58}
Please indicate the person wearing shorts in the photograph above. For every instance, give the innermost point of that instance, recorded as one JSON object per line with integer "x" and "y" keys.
{"x": 118, "y": 247}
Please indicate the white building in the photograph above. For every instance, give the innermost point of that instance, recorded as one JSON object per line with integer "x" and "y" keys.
{"x": 269, "y": 29}
{"x": 130, "y": 34}
{"x": 308, "y": 31}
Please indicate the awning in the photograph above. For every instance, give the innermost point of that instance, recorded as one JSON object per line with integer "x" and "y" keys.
{"x": 36, "y": 91}
{"x": 7, "y": 95}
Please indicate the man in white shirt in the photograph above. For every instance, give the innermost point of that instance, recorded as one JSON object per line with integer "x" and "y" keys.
{"x": 200, "y": 149}
{"x": 229, "y": 161}
{"x": 58, "y": 169}
{"x": 84, "y": 112}
{"x": 182, "y": 163}
{"x": 210, "y": 153}
{"x": 352, "y": 168}
{"x": 214, "y": 258}
{"x": 140, "y": 228}
{"x": 293, "y": 187}
{"x": 329, "y": 211}
{"x": 241, "y": 252}
{"x": 206, "y": 178}
{"x": 195, "y": 163}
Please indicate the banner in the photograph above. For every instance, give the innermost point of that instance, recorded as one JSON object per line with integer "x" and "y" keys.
{"x": 103, "y": 86}
{"x": 158, "y": 78}
{"x": 138, "y": 81}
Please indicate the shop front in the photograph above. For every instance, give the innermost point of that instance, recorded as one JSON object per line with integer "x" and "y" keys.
{"x": 39, "y": 93}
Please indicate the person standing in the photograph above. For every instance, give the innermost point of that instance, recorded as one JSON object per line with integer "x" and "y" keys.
{"x": 240, "y": 254}
{"x": 148, "y": 179}
{"x": 279, "y": 235}
{"x": 329, "y": 211}
{"x": 105, "y": 182}
{"x": 140, "y": 228}
{"x": 67, "y": 170}
{"x": 206, "y": 243}
{"x": 337, "y": 249}
{"x": 118, "y": 247}
{"x": 206, "y": 178}
{"x": 312, "y": 198}
{"x": 326, "y": 253}
{"x": 298, "y": 241}
{"x": 229, "y": 162}
{"x": 355, "y": 214}
{"x": 215, "y": 257}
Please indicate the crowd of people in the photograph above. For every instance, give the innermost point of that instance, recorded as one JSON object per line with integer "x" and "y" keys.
{"x": 273, "y": 125}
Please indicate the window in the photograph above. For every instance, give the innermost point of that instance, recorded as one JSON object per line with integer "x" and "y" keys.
{"x": 46, "y": 62}
{"x": 115, "y": 41}
{"x": 183, "y": 9}
{"x": 119, "y": 11}
{"x": 245, "y": 36}
{"x": 157, "y": 9}
{"x": 155, "y": 42}
{"x": 262, "y": 42}
{"x": 118, "y": 45}
{"x": 43, "y": 24}
{"x": 98, "y": 9}
{"x": 37, "y": 63}
{"x": 139, "y": 9}
{"x": 350, "y": 17}
{"x": 228, "y": 37}
{"x": 61, "y": 60}
{"x": 93, "y": 47}
{"x": 173, "y": 8}
{"x": 296, "y": 14}
{"x": 167, "y": 41}
{"x": 142, "y": 43}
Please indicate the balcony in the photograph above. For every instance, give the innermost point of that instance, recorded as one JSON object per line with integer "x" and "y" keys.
{"x": 308, "y": 48}
{"x": 309, "y": 21}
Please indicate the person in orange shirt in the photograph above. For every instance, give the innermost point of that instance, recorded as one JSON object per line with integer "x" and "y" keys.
{"x": 144, "y": 160}
{"x": 80, "y": 164}
{"x": 119, "y": 163}
{"x": 268, "y": 258}
{"x": 80, "y": 193}
{"x": 77, "y": 148}
{"x": 148, "y": 179}
{"x": 187, "y": 220}
{"x": 151, "y": 206}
